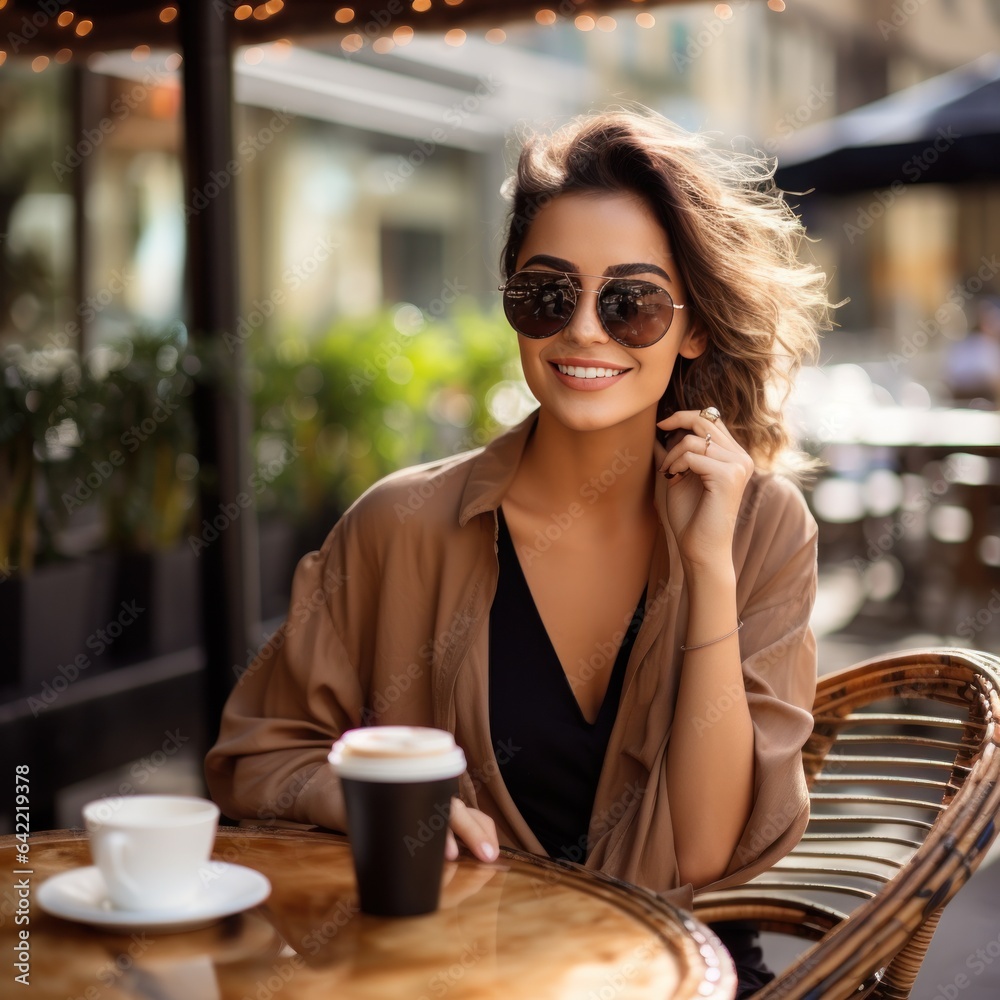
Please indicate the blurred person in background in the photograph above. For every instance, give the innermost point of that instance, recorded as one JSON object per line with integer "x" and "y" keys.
{"x": 972, "y": 365}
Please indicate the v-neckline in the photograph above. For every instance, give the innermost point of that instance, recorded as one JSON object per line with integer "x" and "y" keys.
{"x": 557, "y": 663}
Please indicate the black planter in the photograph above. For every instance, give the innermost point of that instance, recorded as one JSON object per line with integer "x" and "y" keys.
{"x": 46, "y": 618}
{"x": 154, "y": 610}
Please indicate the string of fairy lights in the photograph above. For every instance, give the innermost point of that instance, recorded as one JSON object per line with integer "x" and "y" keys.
{"x": 348, "y": 18}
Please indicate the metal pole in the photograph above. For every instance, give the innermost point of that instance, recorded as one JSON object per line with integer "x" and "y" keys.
{"x": 229, "y": 568}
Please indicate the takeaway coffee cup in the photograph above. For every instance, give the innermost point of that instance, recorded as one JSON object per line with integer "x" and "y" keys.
{"x": 150, "y": 849}
{"x": 398, "y": 782}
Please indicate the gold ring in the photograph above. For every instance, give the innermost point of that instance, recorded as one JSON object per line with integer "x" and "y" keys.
{"x": 708, "y": 441}
{"x": 710, "y": 413}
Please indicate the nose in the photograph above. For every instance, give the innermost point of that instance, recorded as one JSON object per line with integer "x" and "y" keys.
{"x": 584, "y": 326}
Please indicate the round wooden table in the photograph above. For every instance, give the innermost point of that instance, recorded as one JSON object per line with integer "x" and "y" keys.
{"x": 521, "y": 927}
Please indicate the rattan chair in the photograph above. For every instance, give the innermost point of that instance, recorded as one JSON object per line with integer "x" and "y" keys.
{"x": 902, "y": 768}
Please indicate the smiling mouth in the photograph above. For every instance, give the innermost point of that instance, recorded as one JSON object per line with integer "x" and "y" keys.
{"x": 578, "y": 371}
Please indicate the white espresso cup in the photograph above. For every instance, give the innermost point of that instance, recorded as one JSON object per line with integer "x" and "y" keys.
{"x": 151, "y": 849}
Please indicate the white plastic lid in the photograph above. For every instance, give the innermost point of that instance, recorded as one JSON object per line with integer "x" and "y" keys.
{"x": 397, "y": 753}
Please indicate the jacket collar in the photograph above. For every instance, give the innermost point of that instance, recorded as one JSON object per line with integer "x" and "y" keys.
{"x": 494, "y": 467}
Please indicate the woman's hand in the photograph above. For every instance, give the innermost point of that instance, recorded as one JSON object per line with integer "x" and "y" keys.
{"x": 476, "y": 829}
{"x": 706, "y": 487}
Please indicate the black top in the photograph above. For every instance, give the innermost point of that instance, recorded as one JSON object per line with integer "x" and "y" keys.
{"x": 551, "y": 755}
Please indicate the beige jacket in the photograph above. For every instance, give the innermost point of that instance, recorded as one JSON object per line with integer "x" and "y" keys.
{"x": 388, "y": 624}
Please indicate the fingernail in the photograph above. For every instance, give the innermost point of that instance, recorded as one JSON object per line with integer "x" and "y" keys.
{"x": 490, "y": 851}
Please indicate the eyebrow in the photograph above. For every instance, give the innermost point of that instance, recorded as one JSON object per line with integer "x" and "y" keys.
{"x": 614, "y": 271}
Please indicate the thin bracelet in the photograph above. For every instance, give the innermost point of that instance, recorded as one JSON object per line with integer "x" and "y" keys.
{"x": 713, "y": 641}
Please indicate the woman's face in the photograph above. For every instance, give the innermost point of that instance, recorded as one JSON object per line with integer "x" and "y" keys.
{"x": 591, "y": 233}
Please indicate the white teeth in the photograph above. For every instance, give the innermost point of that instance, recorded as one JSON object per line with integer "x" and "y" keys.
{"x": 578, "y": 372}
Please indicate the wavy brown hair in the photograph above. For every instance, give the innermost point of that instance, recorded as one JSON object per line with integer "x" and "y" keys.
{"x": 736, "y": 243}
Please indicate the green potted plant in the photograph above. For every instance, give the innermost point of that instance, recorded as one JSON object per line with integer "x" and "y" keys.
{"x": 138, "y": 441}
{"x": 371, "y": 395}
{"x": 39, "y": 400}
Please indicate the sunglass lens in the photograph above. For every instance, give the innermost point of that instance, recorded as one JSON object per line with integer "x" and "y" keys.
{"x": 635, "y": 313}
{"x": 538, "y": 305}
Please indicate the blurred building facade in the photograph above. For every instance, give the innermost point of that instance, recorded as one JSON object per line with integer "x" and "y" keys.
{"x": 373, "y": 176}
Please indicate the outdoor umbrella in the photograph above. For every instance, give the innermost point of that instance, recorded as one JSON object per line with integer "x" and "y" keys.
{"x": 944, "y": 130}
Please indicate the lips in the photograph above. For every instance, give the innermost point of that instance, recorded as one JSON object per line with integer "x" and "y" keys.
{"x": 580, "y": 375}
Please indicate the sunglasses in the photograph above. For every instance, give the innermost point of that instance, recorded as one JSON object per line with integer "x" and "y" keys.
{"x": 634, "y": 313}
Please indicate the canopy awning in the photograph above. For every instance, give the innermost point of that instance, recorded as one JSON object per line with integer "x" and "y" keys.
{"x": 944, "y": 130}
{"x": 44, "y": 27}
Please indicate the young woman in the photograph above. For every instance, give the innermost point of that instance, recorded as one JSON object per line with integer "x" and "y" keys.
{"x": 608, "y": 605}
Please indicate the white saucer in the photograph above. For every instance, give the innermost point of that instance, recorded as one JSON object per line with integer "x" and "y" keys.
{"x": 80, "y": 894}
